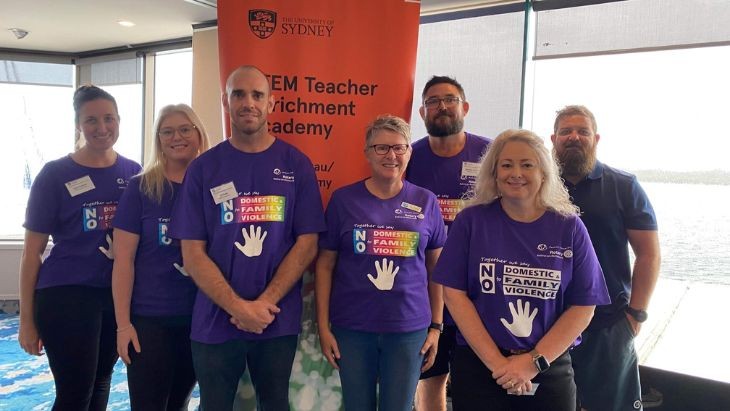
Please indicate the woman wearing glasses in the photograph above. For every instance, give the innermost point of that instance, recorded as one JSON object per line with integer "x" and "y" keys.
{"x": 153, "y": 296}
{"x": 379, "y": 314}
{"x": 66, "y": 300}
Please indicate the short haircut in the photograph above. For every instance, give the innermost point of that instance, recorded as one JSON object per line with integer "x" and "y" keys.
{"x": 443, "y": 80}
{"x": 575, "y": 110}
{"x": 389, "y": 123}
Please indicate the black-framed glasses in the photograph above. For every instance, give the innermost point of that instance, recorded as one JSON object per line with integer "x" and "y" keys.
{"x": 383, "y": 149}
{"x": 185, "y": 131}
{"x": 449, "y": 101}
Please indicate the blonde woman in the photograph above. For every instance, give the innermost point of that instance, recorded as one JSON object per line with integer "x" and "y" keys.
{"x": 153, "y": 296}
{"x": 521, "y": 280}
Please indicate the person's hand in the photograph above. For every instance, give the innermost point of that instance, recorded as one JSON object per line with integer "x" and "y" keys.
{"x": 522, "y": 318}
{"x": 254, "y": 316}
{"x": 430, "y": 348}
{"x": 330, "y": 349}
{"x": 635, "y": 325}
{"x": 386, "y": 275}
{"x": 125, "y": 335}
{"x": 29, "y": 339}
{"x": 516, "y": 373}
{"x": 253, "y": 242}
{"x": 109, "y": 251}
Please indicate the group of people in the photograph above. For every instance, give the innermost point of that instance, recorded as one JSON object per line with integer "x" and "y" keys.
{"x": 498, "y": 262}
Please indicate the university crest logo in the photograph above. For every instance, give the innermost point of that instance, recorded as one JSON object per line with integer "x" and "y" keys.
{"x": 262, "y": 22}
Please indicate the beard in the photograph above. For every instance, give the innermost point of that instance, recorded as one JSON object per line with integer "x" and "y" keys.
{"x": 575, "y": 160}
{"x": 444, "y": 129}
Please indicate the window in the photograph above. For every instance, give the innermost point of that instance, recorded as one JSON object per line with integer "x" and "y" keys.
{"x": 38, "y": 122}
{"x": 173, "y": 78}
{"x": 658, "y": 109}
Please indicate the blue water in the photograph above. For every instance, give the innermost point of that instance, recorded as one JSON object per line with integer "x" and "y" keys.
{"x": 26, "y": 382}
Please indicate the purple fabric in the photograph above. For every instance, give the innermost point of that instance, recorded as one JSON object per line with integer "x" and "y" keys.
{"x": 278, "y": 194}
{"x": 443, "y": 175}
{"x": 78, "y": 225}
{"x": 549, "y": 263}
{"x": 160, "y": 289}
{"x": 365, "y": 231}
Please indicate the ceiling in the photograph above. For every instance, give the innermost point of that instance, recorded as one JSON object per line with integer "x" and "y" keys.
{"x": 79, "y": 26}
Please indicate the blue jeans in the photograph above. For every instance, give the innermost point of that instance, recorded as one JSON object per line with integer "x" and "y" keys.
{"x": 379, "y": 368}
{"x": 220, "y": 366}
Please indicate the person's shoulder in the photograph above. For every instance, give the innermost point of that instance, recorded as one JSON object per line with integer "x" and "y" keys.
{"x": 290, "y": 151}
{"x": 420, "y": 144}
{"x": 420, "y": 191}
{"x": 127, "y": 163}
{"x": 349, "y": 189}
{"x": 477, "y": 140}
{"x": 618, "y": 175}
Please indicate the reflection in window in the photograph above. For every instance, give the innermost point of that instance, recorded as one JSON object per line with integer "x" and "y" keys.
{"x": 173, "y": 78}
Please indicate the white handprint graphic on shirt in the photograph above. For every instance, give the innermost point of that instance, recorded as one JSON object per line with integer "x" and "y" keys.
{"x": 253, "y": 242}
{"x": 181, "y": 269}
{"x": 386, "y": 275}
{"x": 521, "y": 319}
{"x": 108, "y": 252}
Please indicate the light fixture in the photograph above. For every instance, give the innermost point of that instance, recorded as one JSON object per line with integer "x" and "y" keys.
{"x": 125, "y": 23}
{"x": 19, "y": 33}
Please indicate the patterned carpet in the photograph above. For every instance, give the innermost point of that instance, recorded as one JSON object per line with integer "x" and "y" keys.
{"x": 26, "y": 382}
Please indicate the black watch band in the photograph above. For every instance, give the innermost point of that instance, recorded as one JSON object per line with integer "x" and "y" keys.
{"x": 437, "y": 326}
{"x": 639, "y": 315}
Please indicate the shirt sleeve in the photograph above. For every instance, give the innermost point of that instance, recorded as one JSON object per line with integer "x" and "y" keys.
{"x": 330, "y": 239}
{"x": 188, "y": 219}
{"x": 638, "y": 211}
{"x": 587, "y": 285}
{"x": 128, "y": 216}
{"x": 44, "y": 202}
{"x": 438, "y": 237}
{"x": 308, "y": 213}
{"x": 452, "y": 266}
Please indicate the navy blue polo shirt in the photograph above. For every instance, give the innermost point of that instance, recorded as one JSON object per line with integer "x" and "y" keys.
{"x": 611, "y": 201}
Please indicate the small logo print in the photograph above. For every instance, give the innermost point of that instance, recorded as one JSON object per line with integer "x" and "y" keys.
{"x": 120, "y": 180}
{"x": 637, "y": 405}
{"x": 568, "y": 253}
{"x": 262, "y": 22}
{"x": 277, "y": 171}
{"x": 542, "y": 247}
{"x": 398, "y": 211}
{"x": 421, "y": 216}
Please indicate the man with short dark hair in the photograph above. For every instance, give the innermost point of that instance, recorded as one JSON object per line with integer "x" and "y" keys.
{"x": 446, "y": 162}
{"x": 617, "y": 213}
{"x": 248, "y": 217}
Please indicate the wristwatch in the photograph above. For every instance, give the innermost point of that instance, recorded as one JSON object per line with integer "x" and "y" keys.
{"x": 437, "y": 326}
{"x": 541, "y": 363}
{"x": 639, "y": 315}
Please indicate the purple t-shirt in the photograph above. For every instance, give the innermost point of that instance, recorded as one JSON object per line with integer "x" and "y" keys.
{"x": 447, "y": 177}
{"x": 75, "y": 205}
{"x": 374, "y": 239}
{"x": 160, "y": 289}
{"x": 264, "y": 202}
{"x": 520, "y": 276}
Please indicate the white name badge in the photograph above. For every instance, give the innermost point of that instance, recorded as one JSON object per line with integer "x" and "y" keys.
{"x": 534, "y": 389}
{"x": 80, "y": 186}
{"x": 224, "y": 192}
{"x": 411, "y": 207}
{"x": 469, "y": 169}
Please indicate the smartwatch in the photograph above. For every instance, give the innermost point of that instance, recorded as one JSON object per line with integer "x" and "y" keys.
{"x": 437, "y": 326}
{"x": 639, "y": 315}
{"x": 541, "y": 363}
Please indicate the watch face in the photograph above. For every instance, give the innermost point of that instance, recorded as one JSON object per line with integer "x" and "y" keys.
{"x": 542, "y": 363}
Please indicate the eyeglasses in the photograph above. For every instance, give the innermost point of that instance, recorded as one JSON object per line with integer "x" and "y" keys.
{"x": 383, "y": 149}
{"x": 184, "y": 131}
{"x": 449, "y": 101}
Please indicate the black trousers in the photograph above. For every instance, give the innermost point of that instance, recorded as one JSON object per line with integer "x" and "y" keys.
{"x": 473, "y": 388}
{"x": 78, "y": 330}
{"x": 161, "y": 377}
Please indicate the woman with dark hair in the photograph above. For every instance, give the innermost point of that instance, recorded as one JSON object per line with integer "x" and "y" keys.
{"x": 65, "y": 300}
{"x": 148, "y": 280}
{"x": 521, "y": 280}
{"x": 372, "y": 280}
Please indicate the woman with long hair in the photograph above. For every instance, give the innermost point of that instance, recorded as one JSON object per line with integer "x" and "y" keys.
{"x": 153, "y": 296}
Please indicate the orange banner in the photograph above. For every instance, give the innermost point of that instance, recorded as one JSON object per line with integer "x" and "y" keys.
{"x": 333, "y": 66}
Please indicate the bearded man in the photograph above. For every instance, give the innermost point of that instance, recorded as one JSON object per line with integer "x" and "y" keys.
{"x": 617, "y": 213}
